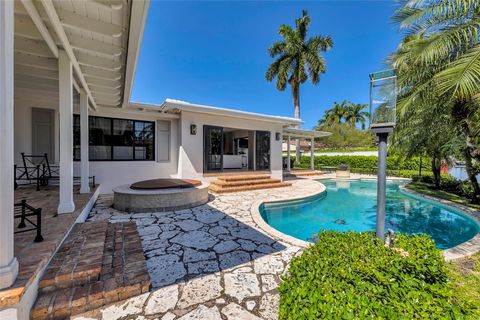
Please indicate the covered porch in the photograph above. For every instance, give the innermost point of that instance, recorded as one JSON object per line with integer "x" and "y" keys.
{"x": 58, "y": 58}
{"x": 292, "y": 134}
{"x": 33, "y": 256}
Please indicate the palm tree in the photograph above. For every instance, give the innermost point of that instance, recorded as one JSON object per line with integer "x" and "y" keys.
{"x": 297, "y": 59}
{"x": 355, "y": 114}
{"x": 338, "y": 112}
{"x": 438, "y": 64}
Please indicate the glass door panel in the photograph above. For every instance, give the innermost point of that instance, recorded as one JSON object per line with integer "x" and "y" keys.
{"x": 212, "y": 148}
{"x": 262, "y": 150}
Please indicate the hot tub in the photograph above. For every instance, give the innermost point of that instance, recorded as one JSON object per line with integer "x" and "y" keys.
{"x": 160, "y": 195}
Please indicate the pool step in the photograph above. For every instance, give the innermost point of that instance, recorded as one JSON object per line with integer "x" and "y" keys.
{"x": 237, "y": 185}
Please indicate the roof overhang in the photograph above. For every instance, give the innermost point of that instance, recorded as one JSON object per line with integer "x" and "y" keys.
{"x": 101, "y": 38}
{"x": 176, "y": 106}
{"x": 295, "y": 133}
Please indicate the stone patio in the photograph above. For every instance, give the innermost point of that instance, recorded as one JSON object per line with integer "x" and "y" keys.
{"x": 209, "y": 262}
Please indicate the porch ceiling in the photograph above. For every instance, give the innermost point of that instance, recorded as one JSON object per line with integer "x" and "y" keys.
{"x": 94, "y": 33}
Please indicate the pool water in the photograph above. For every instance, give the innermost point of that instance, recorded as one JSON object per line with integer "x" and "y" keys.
{"x": 351, "y": 206}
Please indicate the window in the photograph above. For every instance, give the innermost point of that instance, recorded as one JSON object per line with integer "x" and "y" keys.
{"x": 116, "y": 139}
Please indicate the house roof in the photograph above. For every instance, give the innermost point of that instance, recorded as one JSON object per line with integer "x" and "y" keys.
{"x": 177, "y": 106}
{"x": 101, "y": 38}
{"x": 295, "y": 133}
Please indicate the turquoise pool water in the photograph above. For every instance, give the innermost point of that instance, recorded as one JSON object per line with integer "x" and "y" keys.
{"x": 351, "y": 206}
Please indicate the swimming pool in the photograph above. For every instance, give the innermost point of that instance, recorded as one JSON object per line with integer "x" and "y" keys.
{"x": 351, "y": 206}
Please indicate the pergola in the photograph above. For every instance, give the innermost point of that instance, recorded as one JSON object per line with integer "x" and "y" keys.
{"x": 295, "y": 133}
{"x": 61, "y": 54}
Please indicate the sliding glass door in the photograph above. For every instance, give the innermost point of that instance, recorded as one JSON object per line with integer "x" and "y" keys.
{"x": 212, "y": 148}
{"x": 262, "y": 150}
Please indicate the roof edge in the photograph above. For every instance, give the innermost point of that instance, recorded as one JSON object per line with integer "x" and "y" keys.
{"x": 192, "y": 107}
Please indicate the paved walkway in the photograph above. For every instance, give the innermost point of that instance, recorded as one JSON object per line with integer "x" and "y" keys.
{"x": 210, "y": 262}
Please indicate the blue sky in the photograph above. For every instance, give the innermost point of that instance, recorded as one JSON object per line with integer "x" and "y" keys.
{"x": 215, "y": 53}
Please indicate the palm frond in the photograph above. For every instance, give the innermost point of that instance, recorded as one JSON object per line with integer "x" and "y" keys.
{"x": 461, "y": 78}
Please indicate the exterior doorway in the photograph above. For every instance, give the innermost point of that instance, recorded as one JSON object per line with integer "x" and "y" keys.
{"x": 43, "y": 132}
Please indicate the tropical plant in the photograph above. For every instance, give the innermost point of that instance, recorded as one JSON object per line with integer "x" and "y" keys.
{"x": 297, "y": 59}
{"x": 355, "y": 114}
{"x": 438, "y": 64}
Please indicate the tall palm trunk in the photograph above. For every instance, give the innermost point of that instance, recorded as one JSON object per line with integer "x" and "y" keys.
{"x": 472, "y": 175}
{"x": 436, "y": 169}
{"x": 296, "y": 114}
{"x": 460, "y": 113}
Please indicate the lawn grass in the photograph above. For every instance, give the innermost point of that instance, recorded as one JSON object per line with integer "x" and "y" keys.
{"x": 429, "y": 190}
{"x": 465, "y": 275}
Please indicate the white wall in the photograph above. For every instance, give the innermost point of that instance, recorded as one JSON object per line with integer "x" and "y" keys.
{"x": 190, "y": 163}
{"x": 107, "y": 173}
{"x": 110, "y": 174}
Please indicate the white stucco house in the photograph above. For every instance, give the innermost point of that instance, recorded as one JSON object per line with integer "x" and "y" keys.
{"x": 66, "y": 74}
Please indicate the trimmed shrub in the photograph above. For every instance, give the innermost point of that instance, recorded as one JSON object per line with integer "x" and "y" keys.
{"x": 366, "y": 162}
{"x": 353, "y": 275}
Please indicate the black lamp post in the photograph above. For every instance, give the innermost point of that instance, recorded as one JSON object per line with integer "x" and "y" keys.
{"x": 383, "y": 101}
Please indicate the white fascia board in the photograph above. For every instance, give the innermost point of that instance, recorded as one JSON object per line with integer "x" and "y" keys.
{"x": 170, "y": 104}
{"x": 138, "y": 18}
{"x": 301, "y": 133}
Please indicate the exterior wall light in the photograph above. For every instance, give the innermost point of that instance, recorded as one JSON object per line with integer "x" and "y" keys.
{"x": 193, "y": 129}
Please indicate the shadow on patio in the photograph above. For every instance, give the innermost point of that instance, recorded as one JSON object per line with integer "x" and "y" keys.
{"x": 191, "y": 243}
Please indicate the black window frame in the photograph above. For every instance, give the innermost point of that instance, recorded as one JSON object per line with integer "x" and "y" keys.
{"x": 76, "y": 129}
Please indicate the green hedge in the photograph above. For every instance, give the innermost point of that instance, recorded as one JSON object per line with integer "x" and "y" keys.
{"x": 366, "y": 162}
{"x": 352, "y": 275}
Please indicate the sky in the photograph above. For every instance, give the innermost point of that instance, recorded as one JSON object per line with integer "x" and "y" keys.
{"x": 215, "y": 53}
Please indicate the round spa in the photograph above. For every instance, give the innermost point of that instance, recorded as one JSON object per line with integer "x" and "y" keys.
{"x": 160, "y": 195}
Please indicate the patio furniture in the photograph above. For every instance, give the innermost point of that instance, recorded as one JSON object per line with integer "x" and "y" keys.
{"x": 37, "y": 169}
{"x": 24, "y": 211}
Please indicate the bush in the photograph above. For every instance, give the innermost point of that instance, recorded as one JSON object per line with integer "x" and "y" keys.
{"x": 353, "y": 275}
{"x": 366, "y": 162}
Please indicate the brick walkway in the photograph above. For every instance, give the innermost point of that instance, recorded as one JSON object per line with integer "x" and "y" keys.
{"x": 98, "y": 264}
{"x": 210, "y": 262}
{"x": 32, "y": 256}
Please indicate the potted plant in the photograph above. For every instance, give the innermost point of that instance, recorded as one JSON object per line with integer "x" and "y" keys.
{"x": 343, "y": 171}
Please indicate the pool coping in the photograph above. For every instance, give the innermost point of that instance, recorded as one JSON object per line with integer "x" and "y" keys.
{"x": 462, "y": 250}
{"x": 257, "y": 217}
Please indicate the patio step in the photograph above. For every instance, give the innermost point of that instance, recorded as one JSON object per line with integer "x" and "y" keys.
{"x": 99, "y": 263}
{"x": 239, "y": 183}
{"x": 302, "y": 173}
{"x": 245, "y": 177}
{"x": 236, "y": 183}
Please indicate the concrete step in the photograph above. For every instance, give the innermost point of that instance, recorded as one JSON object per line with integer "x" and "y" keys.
{"x": 245, "y": 177}
{"x": 221, "y": 189}
{"x": 302, "y": 173}
{"x": 237, "y": 183}
{"x": 123, "y": 271}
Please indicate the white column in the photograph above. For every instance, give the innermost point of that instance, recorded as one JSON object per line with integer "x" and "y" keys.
{"x": 65, "y": 90}
{"x": 84, "y": 163}
{"x": 288, "y": 154}
{"x": 312, "y": 154}
{"x": 8, "y": 263}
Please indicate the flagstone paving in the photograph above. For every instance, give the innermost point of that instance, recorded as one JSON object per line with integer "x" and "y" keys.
{"x": 208, "y": 262}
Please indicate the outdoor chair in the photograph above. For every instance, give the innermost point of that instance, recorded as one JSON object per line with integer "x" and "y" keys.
{"x": 24, "y": 211}
{"x": 37, "y": 169}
